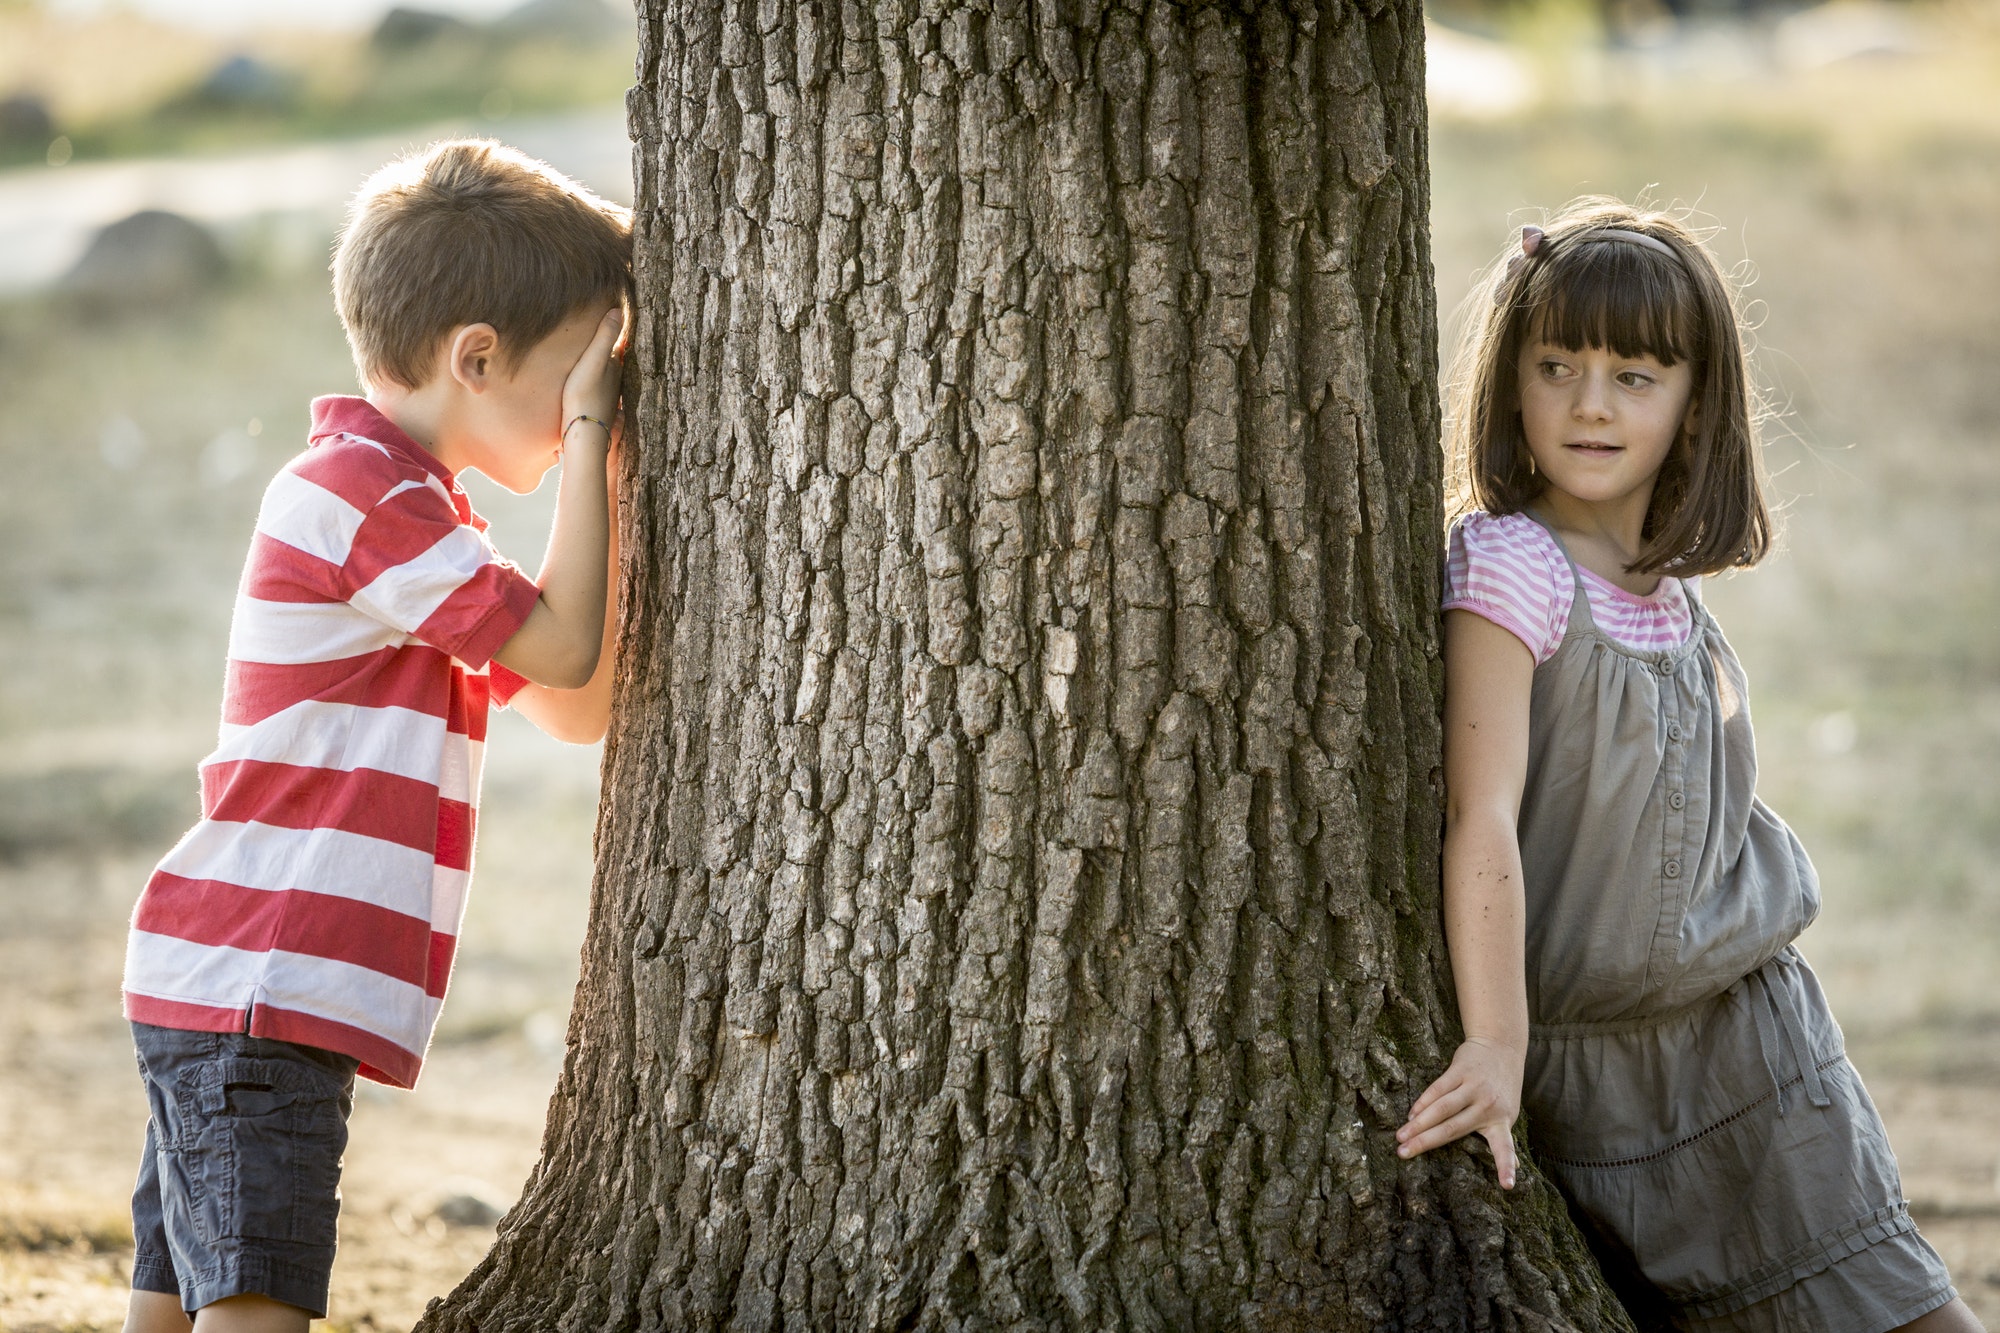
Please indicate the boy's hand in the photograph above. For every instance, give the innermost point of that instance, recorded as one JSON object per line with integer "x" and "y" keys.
{"x": 1480, "y": 1093}
{"x": 592, "y": 386}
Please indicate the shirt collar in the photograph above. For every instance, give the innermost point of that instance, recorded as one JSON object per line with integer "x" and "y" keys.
{"x": 345, "y": 414}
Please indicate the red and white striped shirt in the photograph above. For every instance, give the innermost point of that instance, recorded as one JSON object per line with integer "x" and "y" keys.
{"x": 1509, "y": 570}
{"x": 319, "y": 899}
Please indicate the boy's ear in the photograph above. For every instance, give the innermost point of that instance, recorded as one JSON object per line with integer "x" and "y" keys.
{"x": 472, "y": 356}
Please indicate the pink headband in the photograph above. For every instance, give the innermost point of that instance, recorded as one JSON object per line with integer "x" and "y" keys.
{"x": 1533, "y": 238}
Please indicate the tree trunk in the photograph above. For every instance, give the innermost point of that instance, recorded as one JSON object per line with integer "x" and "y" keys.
{"x": 1018, "y": 872}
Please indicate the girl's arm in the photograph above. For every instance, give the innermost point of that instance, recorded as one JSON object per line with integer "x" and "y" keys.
{"x": 1487, "y": 673}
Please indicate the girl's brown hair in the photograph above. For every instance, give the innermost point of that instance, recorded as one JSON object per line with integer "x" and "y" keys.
{"x": 1582, "y": 288}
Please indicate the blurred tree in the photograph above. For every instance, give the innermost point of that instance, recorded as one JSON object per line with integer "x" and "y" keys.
{"x": 1017, "y": 876}
{"x": 25, "y": 122}
{"x": 403, "y": 28}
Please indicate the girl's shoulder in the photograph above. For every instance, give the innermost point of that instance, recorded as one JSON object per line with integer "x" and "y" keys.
{"x": 1509, "y": 535}
{"x": 1506, "y": 568}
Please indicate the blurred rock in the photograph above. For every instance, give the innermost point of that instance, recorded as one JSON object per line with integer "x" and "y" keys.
{"x": 150, "y": 256}
{"x": 25, "y": 122}
{"x": 570, "y": 20}
{"x": 402, "y": 29}
{"x": 248, "y": 83}
{"x": 462, "y": 1201}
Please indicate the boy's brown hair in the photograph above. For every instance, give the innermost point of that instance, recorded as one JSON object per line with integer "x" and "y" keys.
{"x": 470, "y": 231}
{"x": 1581, "y": 289}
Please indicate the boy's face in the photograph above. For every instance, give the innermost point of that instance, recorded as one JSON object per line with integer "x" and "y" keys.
{"x": 516, "y": 422}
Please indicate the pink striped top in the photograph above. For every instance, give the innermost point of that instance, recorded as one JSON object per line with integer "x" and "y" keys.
{"x": 320, "y": 896}
{"x": 1509, "y": 570}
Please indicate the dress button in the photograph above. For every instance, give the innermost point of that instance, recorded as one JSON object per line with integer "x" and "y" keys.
{"x": 1676, "y": 799}
{"x": 1672, "y": 869}
{"x": 1674, "y": 731}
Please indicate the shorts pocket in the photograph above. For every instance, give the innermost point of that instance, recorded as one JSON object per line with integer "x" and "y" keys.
{"x": 261, "y": 1155}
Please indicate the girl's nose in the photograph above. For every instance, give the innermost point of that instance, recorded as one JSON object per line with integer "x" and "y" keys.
{"x": 1593, "y": 398}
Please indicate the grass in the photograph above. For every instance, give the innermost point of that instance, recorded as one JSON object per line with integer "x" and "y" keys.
{"x": 122, "y": 86}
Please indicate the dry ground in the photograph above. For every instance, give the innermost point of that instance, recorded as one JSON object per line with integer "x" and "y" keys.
{"x": 131, "y": 473}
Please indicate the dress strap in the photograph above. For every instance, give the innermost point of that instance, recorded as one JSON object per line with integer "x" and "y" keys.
{"x": 1773, "y": 1014}
{"x": 1579, "y": 600}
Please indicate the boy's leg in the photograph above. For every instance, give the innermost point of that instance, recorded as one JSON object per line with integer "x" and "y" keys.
{"x": 251, "y": 1132}
{"x": 251, "y": 1314}
{"x": 156, "y": 1312}
{"x": 156, "y": 1294}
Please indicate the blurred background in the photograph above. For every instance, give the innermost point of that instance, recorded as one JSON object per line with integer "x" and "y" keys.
{"x": 171, "y": 173}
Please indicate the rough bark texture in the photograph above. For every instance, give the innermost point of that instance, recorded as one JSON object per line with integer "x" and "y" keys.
{"x": 1017, "y": 877}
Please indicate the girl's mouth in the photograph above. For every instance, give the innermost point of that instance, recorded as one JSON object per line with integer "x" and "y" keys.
{"x": 1594, "y": 448}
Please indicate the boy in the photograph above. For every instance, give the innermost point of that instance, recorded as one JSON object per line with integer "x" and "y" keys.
{"x": 303, "y": 931}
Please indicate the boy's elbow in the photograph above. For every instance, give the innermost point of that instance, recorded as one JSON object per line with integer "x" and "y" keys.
{"x": 575, "y": 732}
{"x": 552, "y": 653}
{"x": 574, "y": 670}
{"x": 580, "y": 718}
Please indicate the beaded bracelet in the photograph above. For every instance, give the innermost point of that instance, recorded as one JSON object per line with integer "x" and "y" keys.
{"x": 585, "y": 416}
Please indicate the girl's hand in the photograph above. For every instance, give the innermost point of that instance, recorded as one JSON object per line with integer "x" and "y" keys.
{"x": 1480, "y": 1093}
{"x": 592, "y": 386}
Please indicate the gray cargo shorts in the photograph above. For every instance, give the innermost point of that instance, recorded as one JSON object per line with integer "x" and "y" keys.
{"x": 239, "y": 1190}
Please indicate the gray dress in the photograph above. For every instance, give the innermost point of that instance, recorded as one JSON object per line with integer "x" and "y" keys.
{"x": 1686, "y": 1084}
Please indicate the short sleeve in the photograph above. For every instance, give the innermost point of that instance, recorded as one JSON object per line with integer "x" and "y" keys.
{"x": 418, "y": 567}
{"x": 502, "y": 684}
{"x": 1497, "y": 569}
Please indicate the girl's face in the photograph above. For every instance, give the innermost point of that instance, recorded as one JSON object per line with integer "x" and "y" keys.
{"x": 1599, "y": 425}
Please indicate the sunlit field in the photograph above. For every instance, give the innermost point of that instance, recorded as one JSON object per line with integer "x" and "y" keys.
{"x": 1857, "y": 203}
{"x": 120, "y": 84}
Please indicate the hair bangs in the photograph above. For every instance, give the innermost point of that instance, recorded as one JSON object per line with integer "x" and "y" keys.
{"x": 1609, "y": 293}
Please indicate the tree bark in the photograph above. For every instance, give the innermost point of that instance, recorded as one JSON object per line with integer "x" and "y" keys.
{"x": 1017, "y": 876}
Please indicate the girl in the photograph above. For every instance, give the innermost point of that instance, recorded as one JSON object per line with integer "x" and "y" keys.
{"x": 1619, "y": 904}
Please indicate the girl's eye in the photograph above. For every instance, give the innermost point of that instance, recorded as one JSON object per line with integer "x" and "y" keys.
{"x": 1635, "y": 379}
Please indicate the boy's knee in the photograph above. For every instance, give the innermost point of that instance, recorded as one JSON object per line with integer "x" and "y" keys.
{"x": 155, "y": 1312}
{"x": 251, "y": 1314}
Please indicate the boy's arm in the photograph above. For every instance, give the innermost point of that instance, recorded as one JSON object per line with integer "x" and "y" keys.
{"x": 559, "y": 644}
{"x": 580, "y": 716}
{"x": 1488, "y": 672}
